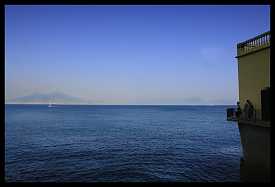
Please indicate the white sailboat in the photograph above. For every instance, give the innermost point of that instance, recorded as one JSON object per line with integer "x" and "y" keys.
{"x": 50, "y": 104}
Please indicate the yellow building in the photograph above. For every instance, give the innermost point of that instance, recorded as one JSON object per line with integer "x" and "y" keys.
{"x": 254, "y": 70}
{"x": 254, "y": 76}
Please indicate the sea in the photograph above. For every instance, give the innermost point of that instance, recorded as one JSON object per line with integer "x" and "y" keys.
{"x": 127, "y": 143}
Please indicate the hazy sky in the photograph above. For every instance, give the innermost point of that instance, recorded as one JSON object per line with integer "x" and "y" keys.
{"x": 129, "y": 54}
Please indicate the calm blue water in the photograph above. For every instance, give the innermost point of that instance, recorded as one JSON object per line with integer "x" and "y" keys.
{"x": 120, "y": 143}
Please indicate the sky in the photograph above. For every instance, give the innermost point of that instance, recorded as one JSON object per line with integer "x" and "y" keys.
{"x": 129, "y": 54}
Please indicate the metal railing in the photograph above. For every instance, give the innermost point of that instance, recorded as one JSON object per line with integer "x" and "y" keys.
{"x": 258, "y": 42}
{"x": 232, "y": 115}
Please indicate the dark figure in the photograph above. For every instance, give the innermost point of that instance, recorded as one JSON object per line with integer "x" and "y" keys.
{"x": 239, "y": 110}
{"x": 245, "y": 110}
{"x": 248, "y": 110}
{"x": 251, "y": 110}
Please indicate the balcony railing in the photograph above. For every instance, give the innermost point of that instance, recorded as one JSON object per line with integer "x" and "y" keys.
{"x": 253, "y": 44}
{"x": 233, "y": 116}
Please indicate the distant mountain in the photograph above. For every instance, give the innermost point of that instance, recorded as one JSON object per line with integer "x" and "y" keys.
{"x": 55, "y": 98}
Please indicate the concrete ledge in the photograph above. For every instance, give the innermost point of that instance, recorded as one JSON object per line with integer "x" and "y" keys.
{"x": 258, "y": 123}
{"x": 255, "y": 140}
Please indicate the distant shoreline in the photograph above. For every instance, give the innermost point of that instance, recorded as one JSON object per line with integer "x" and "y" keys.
{"x": 120, "y": 104}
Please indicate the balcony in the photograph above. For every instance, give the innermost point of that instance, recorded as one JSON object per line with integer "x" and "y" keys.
{"x": 254, "y": 44}
{"x": 232, "y": 116}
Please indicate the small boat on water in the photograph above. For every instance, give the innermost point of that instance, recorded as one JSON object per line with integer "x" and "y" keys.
{"x": 50, "y": 105}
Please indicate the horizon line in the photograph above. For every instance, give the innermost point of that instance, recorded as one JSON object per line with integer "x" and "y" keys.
{"x": 121, "y": 104}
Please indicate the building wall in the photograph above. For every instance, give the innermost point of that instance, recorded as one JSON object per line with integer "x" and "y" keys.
{"x": 256, "y": 151}
{"x": 254, "y": 75}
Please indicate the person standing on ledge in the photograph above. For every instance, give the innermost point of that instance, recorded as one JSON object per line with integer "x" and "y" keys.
{"x": 239, "y": 110}
{"x": 248, "y": 110}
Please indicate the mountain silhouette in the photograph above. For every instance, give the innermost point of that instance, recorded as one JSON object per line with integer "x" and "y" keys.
{"x": 55, "y": 97}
